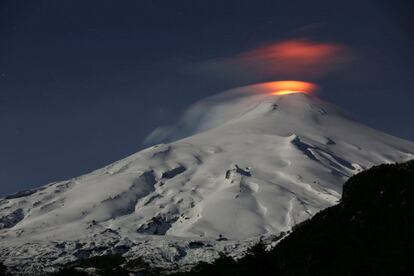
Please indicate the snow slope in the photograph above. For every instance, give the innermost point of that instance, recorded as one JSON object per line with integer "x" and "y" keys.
{"x": 254, "y": 164}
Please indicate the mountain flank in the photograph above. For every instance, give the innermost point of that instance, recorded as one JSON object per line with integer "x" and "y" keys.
{"x": 370, "y": 232}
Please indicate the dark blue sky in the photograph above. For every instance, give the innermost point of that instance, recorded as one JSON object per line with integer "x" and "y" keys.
{"x": 83, "y": 82}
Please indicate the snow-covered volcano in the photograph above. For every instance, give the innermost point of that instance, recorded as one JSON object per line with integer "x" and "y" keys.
{"x": 254, "y": 164}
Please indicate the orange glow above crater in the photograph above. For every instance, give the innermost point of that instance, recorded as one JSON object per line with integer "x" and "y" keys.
{"x": 286, "y": 92}
{"x": 279, "y": 88}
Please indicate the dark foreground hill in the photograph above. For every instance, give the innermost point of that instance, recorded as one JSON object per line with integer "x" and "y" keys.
{"x": 370, "y": 232}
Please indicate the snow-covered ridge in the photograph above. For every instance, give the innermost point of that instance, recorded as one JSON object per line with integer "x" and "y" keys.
{"x": 252, "y": 165}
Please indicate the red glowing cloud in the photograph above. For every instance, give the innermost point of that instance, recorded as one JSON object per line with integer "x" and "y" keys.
{"x": 297, "y": 59}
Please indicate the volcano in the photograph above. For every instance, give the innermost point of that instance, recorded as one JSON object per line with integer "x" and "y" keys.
{"x": 237, "y": 166}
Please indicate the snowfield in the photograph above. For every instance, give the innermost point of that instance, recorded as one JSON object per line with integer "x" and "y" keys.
{"x": 246, "y": 165}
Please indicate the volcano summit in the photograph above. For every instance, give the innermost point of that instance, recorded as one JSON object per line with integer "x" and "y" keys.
{"x": 242, "y": 165}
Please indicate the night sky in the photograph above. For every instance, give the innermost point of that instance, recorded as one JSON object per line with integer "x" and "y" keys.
{"x": 83, "y": 82}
